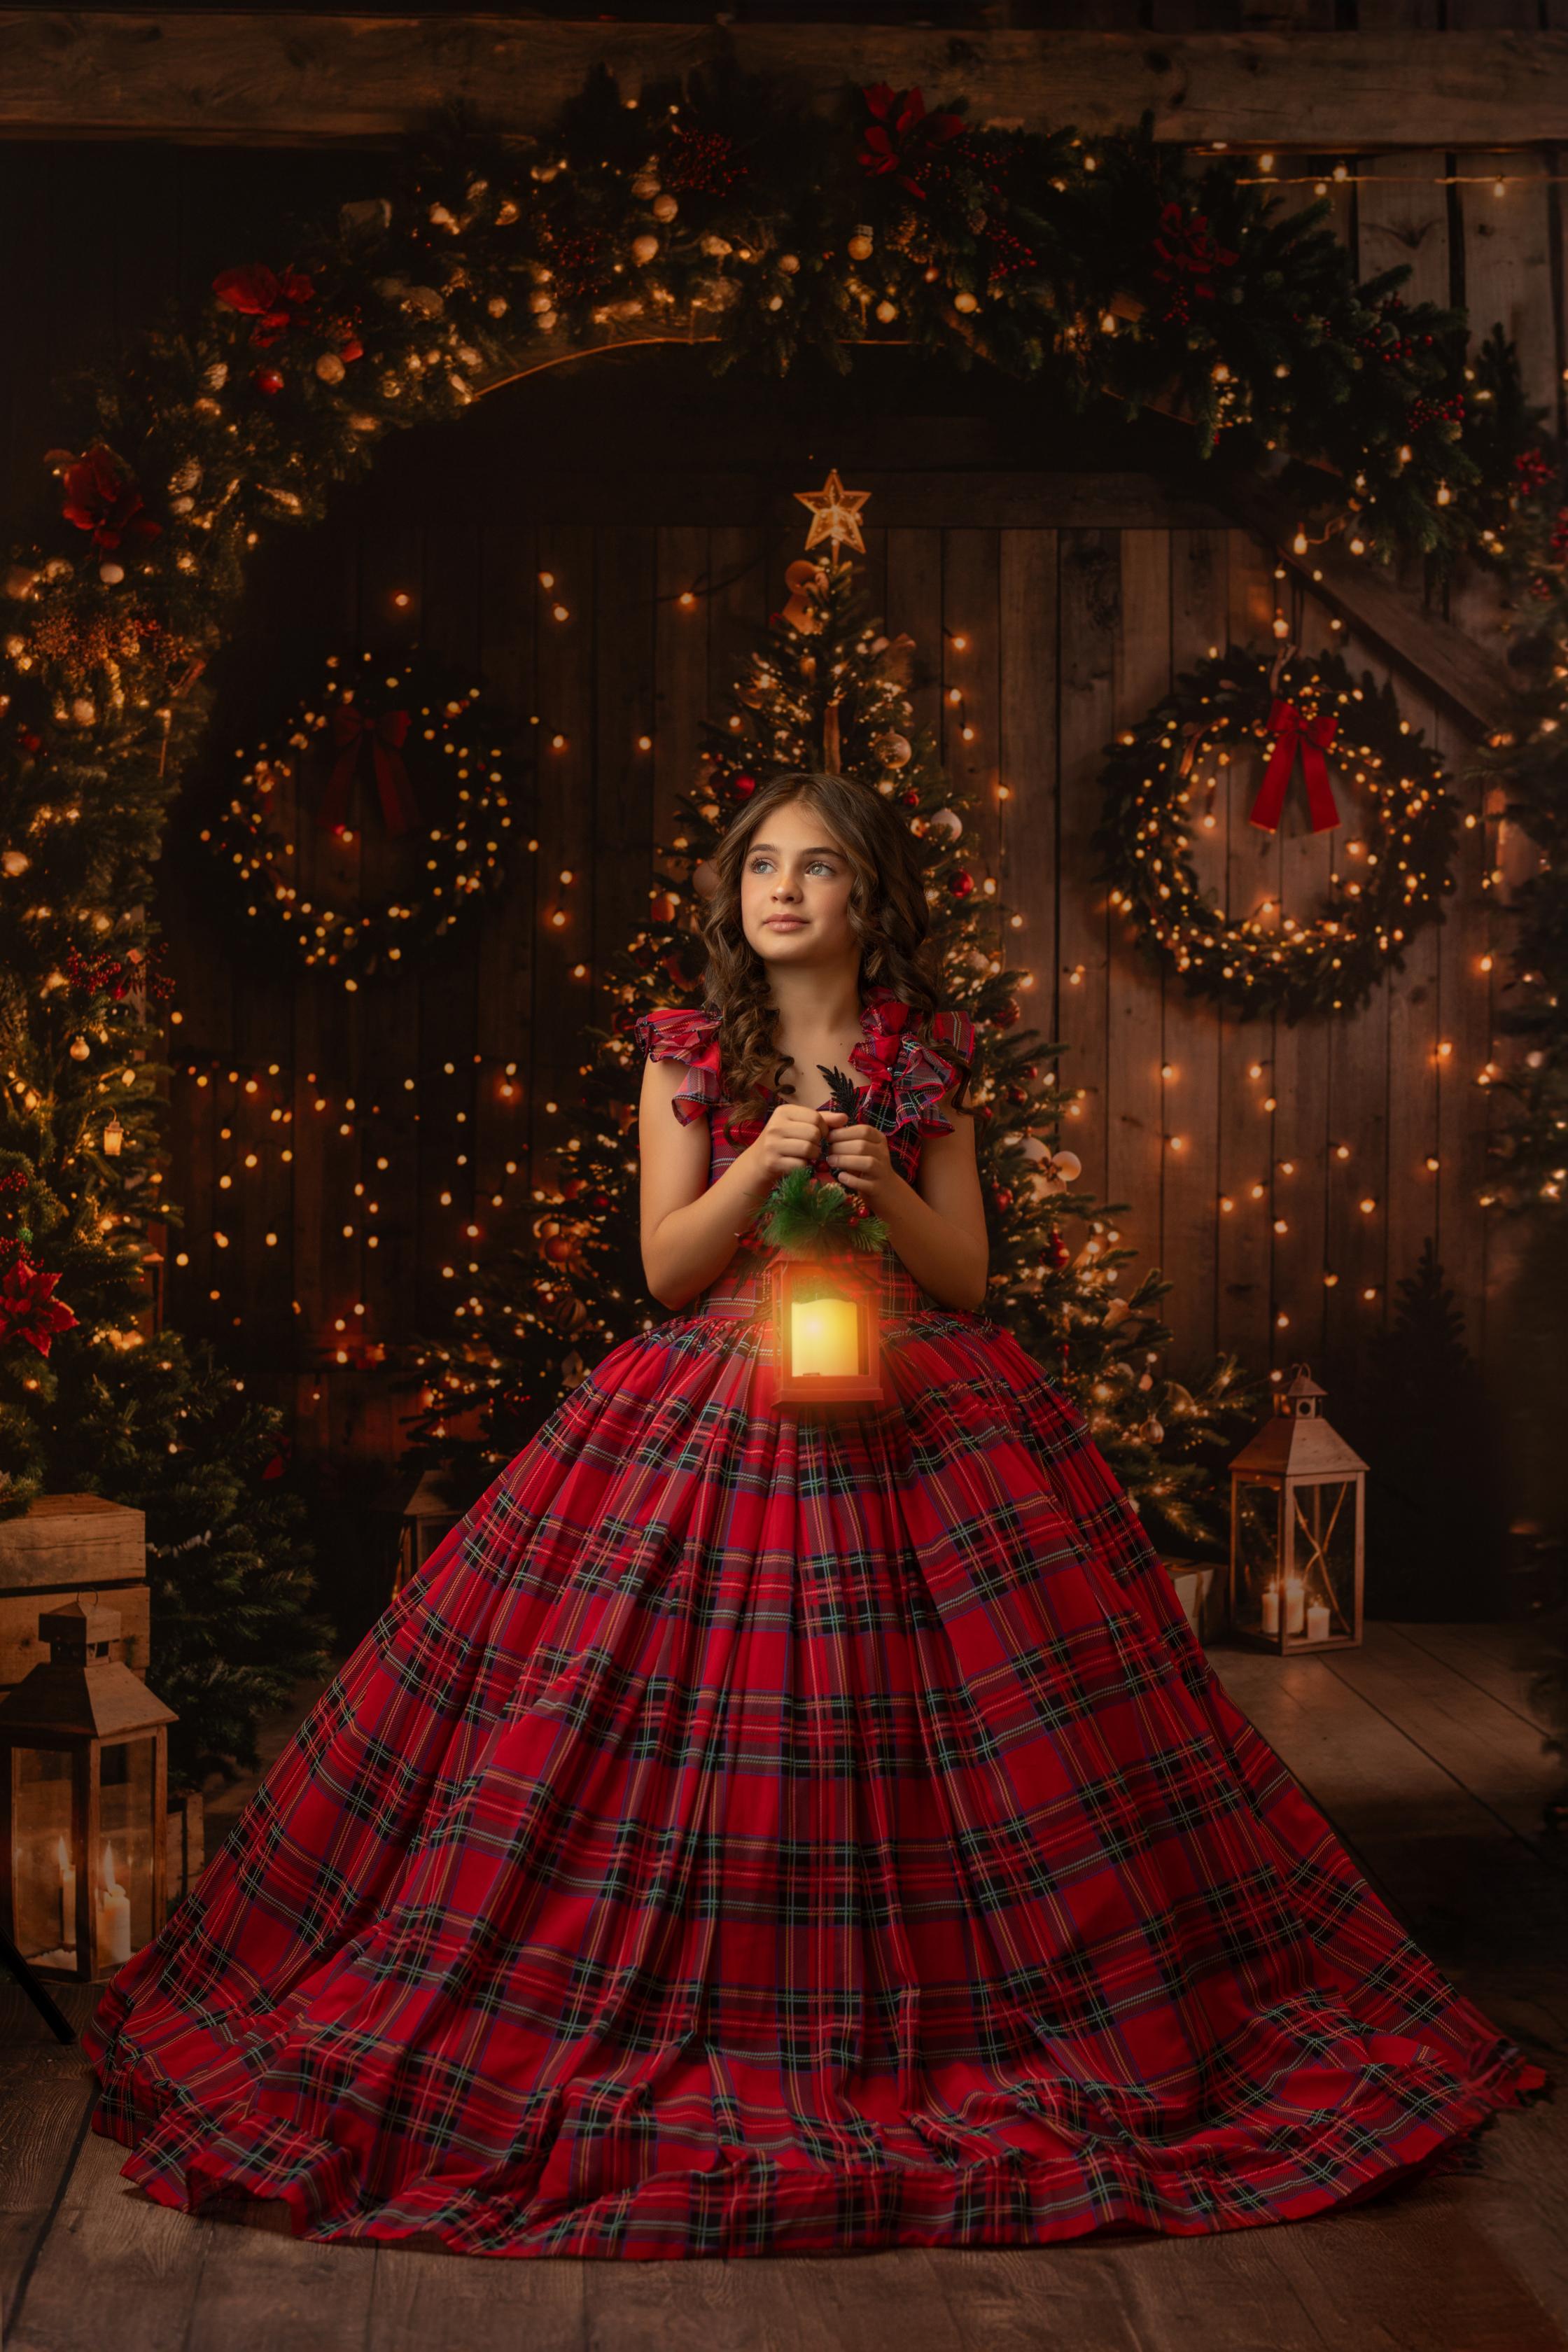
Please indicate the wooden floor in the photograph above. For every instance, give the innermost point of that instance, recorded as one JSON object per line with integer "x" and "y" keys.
{"x": 1420, "y": 1746}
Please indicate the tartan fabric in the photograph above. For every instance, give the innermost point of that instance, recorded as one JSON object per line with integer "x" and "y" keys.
{"x": 759, "y": 1830}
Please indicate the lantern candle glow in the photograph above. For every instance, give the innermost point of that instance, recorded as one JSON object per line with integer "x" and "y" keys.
{"x": 1298, "y": 1529}
{"x": 826, "y": 1322}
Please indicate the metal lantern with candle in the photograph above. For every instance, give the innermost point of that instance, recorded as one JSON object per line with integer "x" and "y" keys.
{"x": 1298, "y": 1529}
{"x": 83, "y": 1796}
{"x": 824, "y": 1289}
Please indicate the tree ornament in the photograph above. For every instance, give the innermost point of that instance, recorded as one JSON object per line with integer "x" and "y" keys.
{"x": 893, "y": 751}
{"x": 835, "y": 515}
{"x": 1390, "y": 874}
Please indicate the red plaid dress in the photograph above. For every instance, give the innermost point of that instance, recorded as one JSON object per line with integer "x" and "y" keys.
{"x": 764, "y": 1832}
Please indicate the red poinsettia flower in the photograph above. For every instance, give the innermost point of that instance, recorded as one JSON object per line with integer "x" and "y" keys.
{"x": 900, "y": 131}
{"x": 272, "y": 298}
{"x": 1187, "y": 247}
{"x": 27, "y": 1310}
{"x": 103, "y": 500}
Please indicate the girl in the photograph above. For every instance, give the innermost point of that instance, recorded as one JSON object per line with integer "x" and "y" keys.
{"x": 769, "y": 1829}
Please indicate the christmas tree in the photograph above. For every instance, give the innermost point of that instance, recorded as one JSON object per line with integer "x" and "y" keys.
{"x": 828, "y": 689}
{"x": 96, "y": 1396}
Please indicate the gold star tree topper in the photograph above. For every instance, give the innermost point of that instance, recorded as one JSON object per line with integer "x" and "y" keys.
{"x": 835, "y": 515}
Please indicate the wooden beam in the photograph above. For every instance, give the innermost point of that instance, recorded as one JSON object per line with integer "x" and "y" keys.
{"x": 1466, "y": 680}
{"x": 252, "y": 76}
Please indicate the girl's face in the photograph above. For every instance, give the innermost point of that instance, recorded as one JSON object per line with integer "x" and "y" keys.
{"x": 795, "y": 882}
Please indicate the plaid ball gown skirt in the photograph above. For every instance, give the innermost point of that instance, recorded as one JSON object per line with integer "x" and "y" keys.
{"x": 768, "y": 1831}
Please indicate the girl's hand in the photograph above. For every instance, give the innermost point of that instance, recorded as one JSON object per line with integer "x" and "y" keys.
{"x": 859, "y": 1159}
{"x": 791, "y": 1139}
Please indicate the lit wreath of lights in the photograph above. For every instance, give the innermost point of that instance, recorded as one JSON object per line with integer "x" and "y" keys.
{"x": 1392, "y": 856}
{"x": 390, "y": 744}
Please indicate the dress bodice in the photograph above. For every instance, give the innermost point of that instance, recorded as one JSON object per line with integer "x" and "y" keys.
{"x": 902, "y": 1078}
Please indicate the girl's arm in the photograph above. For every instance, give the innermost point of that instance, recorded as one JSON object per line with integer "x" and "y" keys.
{"x": 937, "y": 1225}
{"x": 689, "y": 1227}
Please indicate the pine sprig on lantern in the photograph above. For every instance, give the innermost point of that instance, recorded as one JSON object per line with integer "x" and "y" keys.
{"x": 808, "y": 1218}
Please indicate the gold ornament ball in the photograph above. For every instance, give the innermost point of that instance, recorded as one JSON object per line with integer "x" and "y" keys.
{"x": 541, "y": 299}
{"x": 789, "y": 263}
{"x": 860, "y": 245}
{"x": 645, "y": 186}
{"x": 887, "y": 312}
{"x": 644, "y": 247}
{"x": 329, "y": 368}
{"x": 111, "y": 574}
{"x": 965, "y": 301}
{"x": 893, "y": 751}
{"x": 84, "y": 711}
{"x": 665, "y": 208}
{"x": 80, "y": 1049}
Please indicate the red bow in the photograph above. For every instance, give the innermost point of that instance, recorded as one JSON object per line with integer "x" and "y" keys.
{"x": 1313, "y": 737}
{"x": 352, "y": 728}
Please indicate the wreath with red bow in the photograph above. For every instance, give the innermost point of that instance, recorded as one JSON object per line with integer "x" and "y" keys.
{"x": 372, "y": 820}
{"x": 1169, "y": 784}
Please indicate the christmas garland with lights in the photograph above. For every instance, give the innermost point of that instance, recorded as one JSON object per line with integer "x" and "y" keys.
{"x": 1161, "y": 782}
{"x": 412, "y": 741}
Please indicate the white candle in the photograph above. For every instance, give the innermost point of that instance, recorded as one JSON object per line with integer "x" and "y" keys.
{"x": 1318, "y": 1622}
{"x": 824, "y": 1336}
{"x": 1295, "y": 1604}
{"x": 113, "y": 1913}
{"x": 1271, "y": 1610}
{"x": 67, "y": 1894}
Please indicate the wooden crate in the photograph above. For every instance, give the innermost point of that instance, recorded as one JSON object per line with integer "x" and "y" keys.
{"x": 62, "y": 1547}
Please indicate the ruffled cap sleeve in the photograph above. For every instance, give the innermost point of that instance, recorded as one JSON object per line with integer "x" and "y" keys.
{"x": 929, "y": 1069}
{"x": 680, "y": 1032}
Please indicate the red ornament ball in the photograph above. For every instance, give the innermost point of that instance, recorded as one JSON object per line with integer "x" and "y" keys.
{"x": 1008, "y": 1013}
{"x": 744, "y": 785}
{"x": 269, "y": 379}
{"x": 961, "y": 883}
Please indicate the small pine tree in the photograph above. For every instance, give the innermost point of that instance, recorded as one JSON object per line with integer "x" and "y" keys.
{"x": 827, "y": 686}
{"x": 94, "y": 1399}
{"x": 1417, "y": 1410}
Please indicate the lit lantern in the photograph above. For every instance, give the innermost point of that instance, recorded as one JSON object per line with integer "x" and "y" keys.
{"x": 84, "y": 1776}
{"x": 826, "y": 1319}
{"x": 1298, "y": 1529}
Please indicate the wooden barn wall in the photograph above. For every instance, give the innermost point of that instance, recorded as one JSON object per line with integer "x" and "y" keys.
{"x": 1078, "y": 603}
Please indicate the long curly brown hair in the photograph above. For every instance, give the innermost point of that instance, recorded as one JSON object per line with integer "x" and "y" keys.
{"x": 887, "y": 914}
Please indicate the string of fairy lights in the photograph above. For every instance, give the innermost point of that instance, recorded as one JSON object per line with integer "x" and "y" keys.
{"x": 381, "y": 1127}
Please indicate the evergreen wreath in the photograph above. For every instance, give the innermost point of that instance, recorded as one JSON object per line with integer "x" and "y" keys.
{"x": 402, "y": 739}
{"x": 1395, "y": 862}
